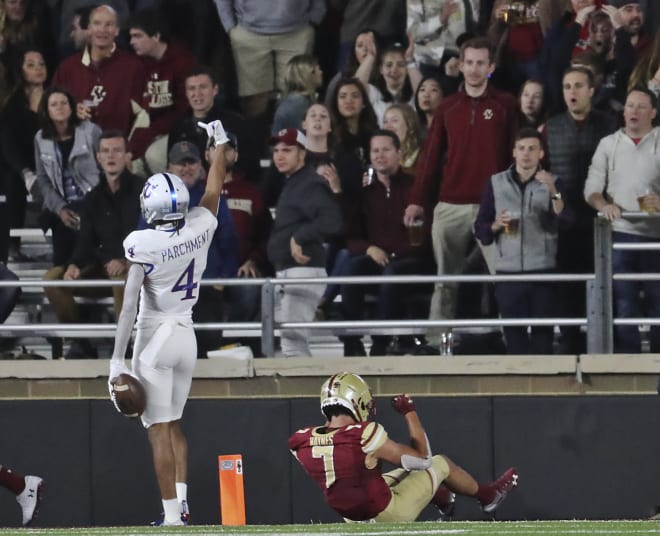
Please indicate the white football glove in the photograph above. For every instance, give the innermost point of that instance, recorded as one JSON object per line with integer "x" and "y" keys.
{"x": 215, "y": 130}
{"x": 117, "y": 367}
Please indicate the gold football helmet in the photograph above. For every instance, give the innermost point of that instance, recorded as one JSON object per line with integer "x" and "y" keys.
{"x": 351, "y": 392}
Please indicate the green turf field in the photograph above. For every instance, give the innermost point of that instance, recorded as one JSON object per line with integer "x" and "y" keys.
{"x": 523, "y": 528}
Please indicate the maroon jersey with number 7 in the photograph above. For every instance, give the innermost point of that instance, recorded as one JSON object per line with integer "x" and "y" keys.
{"x": 341, "y": 462}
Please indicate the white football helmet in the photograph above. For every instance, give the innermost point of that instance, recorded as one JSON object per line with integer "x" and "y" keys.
{"x": 351, "y": 392}
{"x": 164, "y": 198}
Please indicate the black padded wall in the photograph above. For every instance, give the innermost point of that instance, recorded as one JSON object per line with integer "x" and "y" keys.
{"x": 579, "y": 457}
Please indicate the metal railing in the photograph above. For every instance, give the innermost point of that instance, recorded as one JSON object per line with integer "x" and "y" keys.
{"x": 599, "y": 321}
{"x": 601, "y": 328}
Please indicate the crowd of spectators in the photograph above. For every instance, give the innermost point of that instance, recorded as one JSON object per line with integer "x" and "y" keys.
{"x": 402, "y": 137}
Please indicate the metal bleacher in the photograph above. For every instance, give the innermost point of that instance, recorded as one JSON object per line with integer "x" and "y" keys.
{"x": 33, "y": 306}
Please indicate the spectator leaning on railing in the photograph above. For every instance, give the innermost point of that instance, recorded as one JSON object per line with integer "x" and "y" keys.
{"x": 623, "y": 177}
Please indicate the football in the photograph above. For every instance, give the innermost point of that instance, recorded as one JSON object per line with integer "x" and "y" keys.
{"x": 129, "y": 395}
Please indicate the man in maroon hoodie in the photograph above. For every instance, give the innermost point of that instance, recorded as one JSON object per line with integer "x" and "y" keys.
{"x": 470, "y": 139}
{"x": 105, "y": 81}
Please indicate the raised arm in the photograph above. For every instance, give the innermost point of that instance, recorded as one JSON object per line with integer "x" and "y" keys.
{"x": 217, "y": 171}
{"x": 417, "y": 456}
{"x": 364, "y": 70}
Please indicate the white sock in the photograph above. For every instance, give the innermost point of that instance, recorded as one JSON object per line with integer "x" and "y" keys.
{"x": 172, "y": 510}
{"x": 181, "y": 491}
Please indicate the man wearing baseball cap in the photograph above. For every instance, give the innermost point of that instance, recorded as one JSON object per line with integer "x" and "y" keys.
{"x": 306, "y": 213}
{"x": 183, "y": 152}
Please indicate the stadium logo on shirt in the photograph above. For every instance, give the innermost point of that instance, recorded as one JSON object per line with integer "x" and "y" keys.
{"x": 98, "y": 93}
{"x": 159, "y": 94}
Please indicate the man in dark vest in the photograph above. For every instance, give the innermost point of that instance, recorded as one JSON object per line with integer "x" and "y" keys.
{"x": 572, "y": 138}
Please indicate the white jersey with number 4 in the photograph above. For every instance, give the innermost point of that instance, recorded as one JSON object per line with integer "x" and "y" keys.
{"x": 173, "y": 263}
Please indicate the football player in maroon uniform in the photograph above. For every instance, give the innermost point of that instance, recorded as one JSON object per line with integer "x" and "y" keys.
{"x": 344, "y": 459}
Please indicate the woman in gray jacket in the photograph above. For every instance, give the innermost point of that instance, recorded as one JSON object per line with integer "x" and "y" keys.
{"x": 66, "y": 167}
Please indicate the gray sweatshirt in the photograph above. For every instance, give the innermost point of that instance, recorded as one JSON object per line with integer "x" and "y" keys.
{"x": 623, "y": 171}
{"x": 307, "y": 210}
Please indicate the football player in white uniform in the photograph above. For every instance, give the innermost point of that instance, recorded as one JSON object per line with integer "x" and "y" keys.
{"x": 167, "y": 262}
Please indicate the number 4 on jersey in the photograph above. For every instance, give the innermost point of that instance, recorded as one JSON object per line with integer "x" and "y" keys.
{"x": 186, "y": 283}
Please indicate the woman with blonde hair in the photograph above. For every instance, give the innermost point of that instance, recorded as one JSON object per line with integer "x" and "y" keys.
{"x": 302, "y": 78}
{"x": 402, "y": 120}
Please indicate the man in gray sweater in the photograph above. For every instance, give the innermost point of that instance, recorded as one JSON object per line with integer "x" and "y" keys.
{"x": 519, "y": 212}
{"x": 264, "y": 37}
{"x": 623, "y": 177}
{"x": 306, "y": 213}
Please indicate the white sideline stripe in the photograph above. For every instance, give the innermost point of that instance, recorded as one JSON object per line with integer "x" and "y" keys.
{"x": 504, "y": 528}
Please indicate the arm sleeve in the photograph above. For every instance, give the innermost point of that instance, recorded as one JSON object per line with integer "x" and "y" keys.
{"x": 597, "y": 176}
{"x": 128, "y": 311}
{"x": 567, "y": 216}
{"x": 327, "y": 220}
{"x": 429, "y": 161}
{"x": 415, "y": 463}
{"x": 486, "y": 216}
{"x": 53, "y": 201}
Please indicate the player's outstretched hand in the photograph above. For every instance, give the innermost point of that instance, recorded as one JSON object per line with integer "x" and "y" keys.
{"x": 403, "y": 404}
{"x": 216, "y": 131}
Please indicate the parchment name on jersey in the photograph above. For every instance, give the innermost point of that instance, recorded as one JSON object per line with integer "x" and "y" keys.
{"x": 186, "y": 247}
